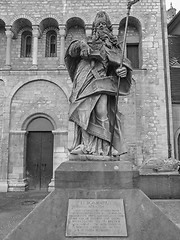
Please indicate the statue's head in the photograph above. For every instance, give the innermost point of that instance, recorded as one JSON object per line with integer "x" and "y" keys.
{"x": 101, "y": 20}
{"x": 102, "y": 29}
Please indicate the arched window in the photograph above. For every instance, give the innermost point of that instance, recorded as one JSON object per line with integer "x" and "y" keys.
{"x": 133, "y": 41}
{"x": 26, "y": 44}
{"x": 133, "y": 54}
{"x": 51, "y": 44}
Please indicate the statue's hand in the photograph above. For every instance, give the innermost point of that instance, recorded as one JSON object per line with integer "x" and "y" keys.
{"x": 85, "y": 50}
{"x": 121, "y": 72}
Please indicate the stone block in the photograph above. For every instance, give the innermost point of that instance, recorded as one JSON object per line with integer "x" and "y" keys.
{"x": 96, "y": 174}
{"x": 3, "y": 186}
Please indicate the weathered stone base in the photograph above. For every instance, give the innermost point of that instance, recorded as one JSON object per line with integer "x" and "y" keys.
{"x": 3, "y": 186}
{"x": 17, "y": 185}
{"x": 160, "y": 185}
{"x": 51, "y": 186}
{"x": 96, "y": 180}
{"x": 96, "y": 175}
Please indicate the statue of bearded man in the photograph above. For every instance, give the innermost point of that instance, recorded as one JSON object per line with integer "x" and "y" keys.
{"x": 95, "y": 71}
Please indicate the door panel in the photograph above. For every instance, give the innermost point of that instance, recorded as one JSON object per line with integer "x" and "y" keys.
{"x": 179, "y": 147}
{"x": 39, "y": 159}
{"x": 33, "y": 159}
{"x": 46, "y": 158}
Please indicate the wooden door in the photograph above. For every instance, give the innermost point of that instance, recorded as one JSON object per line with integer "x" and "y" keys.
{"x": 179, "y": 147}
{"x": 39, "y": 165}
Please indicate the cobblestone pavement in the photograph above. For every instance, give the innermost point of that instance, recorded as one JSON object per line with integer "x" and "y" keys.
{"x": 15, "y": 206}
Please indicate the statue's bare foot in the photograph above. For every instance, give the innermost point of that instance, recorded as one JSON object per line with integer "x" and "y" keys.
{"x": 78, "y": 150}
{"x": 115, "y": 153}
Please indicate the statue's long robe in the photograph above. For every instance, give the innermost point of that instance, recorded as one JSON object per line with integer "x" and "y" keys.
{"x": 91, "y": 79}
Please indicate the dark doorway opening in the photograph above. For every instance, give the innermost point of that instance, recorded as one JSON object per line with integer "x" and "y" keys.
{"x": 39, "y": 157}
{"x": 179, "y": 147}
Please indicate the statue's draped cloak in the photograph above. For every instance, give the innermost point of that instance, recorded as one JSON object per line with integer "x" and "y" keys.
{"x": 91, "y": 79}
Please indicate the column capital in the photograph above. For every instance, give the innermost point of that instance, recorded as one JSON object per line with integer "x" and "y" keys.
{"x": 9, "y": 32}
{"x": 88, "y": 30}
{"x": 35, "y": 31}
{"x": 59, "y": 132}
{"x": 62, "y": 30}
{"x": 18, "y": 132}
{"x": 115, "y": 29}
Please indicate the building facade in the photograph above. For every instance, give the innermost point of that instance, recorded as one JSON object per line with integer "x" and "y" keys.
{"x": 174, "y": 55}
{"x": 35, "y": 87}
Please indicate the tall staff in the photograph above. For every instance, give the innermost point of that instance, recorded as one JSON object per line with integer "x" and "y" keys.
{"x": 129, "y": 5}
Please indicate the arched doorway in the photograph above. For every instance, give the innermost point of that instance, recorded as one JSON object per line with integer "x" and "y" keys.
{"x": 39, "y": 154}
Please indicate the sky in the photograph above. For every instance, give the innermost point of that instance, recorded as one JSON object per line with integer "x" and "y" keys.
{"x": 175, "y": 4}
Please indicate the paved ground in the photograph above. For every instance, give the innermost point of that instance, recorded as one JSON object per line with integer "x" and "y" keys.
{"x": 14, "y": 207}
{"x": 171, "y": 208}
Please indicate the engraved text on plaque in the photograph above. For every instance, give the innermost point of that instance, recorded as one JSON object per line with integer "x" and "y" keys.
{"x": 96, "y": 217}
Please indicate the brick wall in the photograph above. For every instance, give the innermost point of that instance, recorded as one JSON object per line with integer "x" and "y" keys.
{"x": 37, "y": 97}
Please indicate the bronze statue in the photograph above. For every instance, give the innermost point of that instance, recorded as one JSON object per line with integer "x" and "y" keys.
{"x": 94, "y": 68}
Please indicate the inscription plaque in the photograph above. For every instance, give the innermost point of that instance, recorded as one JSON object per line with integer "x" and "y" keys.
{"x": 96, "y": 217}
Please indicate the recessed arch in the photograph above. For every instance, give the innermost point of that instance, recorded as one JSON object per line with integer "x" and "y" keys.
{"x": 75, "y": 21}
{"x": 75, "y": 29}
{"x": 133, "y": 40}
{"x": 132, "y": 21}
{"x": 22, "y": 16}
{"x": 40, "y": 124}
{"x": 48, "y": 23}
{"x": 21, "y": 84}
{"x": 20, "y": 24}
{"x": 51, "y": 29}
{"x": 7, "y": 102}
{"x": 30, "y": 118}
{"x": 2, "y": 25}
{"x": 43, "y": 97}
{"x": 49, "y": 16}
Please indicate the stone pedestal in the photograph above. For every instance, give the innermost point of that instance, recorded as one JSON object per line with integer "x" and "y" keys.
{"x": 101, "y": 181}
{"x": 96, "y": 175}
{"x": 19, "y": 185}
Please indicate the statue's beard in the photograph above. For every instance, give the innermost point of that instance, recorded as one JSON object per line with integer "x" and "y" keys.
{"x": 104, "y": 35}
{"x": 101, "y": 34}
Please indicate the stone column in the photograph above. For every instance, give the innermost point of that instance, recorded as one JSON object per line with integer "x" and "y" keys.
{"x": 62, "y": 45}
{"x": 88, "y": 32}
{"x": 35, "y": 34}
{"x": 59, "y": 152}
{"x": 9, "y": 36}
{"x": 17, "y": 171}
{"x": 115, "y": 29}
